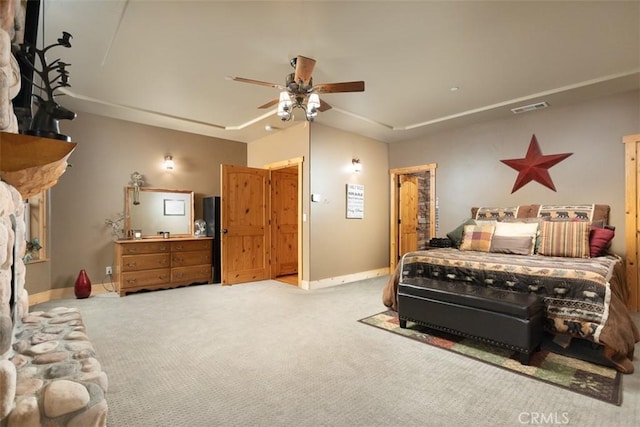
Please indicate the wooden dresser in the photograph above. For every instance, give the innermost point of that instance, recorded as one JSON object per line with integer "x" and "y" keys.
{"x": 162, "y": 263}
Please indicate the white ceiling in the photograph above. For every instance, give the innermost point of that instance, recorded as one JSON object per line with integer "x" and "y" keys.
{"x": 165, "y": 63}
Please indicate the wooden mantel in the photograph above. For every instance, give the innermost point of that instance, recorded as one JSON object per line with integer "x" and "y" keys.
{"x": 32, "y": 164}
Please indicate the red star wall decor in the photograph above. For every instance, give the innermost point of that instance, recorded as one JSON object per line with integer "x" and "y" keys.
{"x": 534, "y": 167}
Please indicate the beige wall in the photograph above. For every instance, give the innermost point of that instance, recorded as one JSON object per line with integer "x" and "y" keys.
{"x": 341, "y": 246}
{"x": 334, "y": 246}
{"x": 470, "y": 173}
{"x": 290, "y": 143}
{"x": 92, "y": 190}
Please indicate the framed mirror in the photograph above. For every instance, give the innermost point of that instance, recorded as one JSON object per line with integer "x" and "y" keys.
{"x": 154, "y": 210}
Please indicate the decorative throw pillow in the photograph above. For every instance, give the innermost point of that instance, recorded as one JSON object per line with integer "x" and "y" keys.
{"x": 584, "y": 212}
{"x": 455, "y": 235}
{"x": 565, "y": 239}
{"x": 511, "y": 245}
{"x": 600, "y": 240}
{"x": 496, "y": 213}
{"x": 599, "y": 223}
{"x": 536, "y": 220}
{"x": 514, "y": 238}
{"x": 486, "y": 221}
{"x": 477, "y": 238}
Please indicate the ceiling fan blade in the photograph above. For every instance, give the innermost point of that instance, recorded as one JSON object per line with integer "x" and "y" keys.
{"x": 256, "y": 82}
{"x": 324, "y": 106}
{"x": 339, "y": 87}
{"x": 270, "y": 103}
{"x": 304, "y": 68}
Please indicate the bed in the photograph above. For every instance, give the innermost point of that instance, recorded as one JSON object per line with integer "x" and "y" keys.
{"x": 584, "y": 292}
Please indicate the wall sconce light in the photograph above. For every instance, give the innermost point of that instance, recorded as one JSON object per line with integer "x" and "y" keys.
{"x": 168, "y": 163}
{"x": 357, "y": 166}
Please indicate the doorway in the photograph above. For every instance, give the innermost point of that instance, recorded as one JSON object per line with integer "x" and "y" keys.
{"x": 261, "y": 211}
{"x": 284, "y": 224}
{"x": 413, "y": 210}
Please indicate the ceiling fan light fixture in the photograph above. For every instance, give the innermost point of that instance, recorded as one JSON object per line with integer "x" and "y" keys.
{"x": 285, "y": 100}
{"x": 313, "y": 104}
{"x": 284, "y": 106}
{"x": 284, "y": 115}
{"x": 300, "y": 92}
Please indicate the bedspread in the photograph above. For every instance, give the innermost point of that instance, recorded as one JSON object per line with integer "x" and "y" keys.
{"x": 584, "y": 298}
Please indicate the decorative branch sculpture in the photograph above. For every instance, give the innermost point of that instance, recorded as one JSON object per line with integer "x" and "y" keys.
{"x": 52, "y": 76}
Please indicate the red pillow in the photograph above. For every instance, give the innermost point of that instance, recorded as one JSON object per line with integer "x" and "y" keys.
{"x": 599, "y": 240}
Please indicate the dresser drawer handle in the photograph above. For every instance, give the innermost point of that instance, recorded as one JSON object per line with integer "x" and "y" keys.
{"x": 131, "y": 264}
{"x": 179, "y": 247}
{"x": 132, "y": 250}
{"x": 132, "y": 280}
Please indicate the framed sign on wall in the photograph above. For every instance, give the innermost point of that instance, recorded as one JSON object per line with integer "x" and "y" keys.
{"x": 355, "y": 201}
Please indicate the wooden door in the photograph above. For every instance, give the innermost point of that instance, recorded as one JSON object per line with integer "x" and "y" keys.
{"x": 244, "y": 213}
{"x": 425, "y": 183}
{"x": 408, "y": 210}
{"x": 284, "y": 221}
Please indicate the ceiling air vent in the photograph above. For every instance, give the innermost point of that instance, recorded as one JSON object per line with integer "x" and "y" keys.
{"x": 530, "y": 107}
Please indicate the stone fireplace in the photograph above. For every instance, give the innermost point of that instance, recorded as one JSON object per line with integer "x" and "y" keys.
{"x": 49, "y": 374}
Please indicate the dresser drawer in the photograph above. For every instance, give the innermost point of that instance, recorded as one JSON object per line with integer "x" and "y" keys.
{"x": 145, "y": 262}
{"x": 145, "y": 278}
{"x": 145, "y": 248}
{"x": 191, "y": 245}
{"x": 184, "y": 259}
{"x": 162, "y": 263}
{"x": 186, "y": 275}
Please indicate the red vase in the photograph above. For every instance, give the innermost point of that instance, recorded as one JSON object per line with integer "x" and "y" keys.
{"x": 83, "y": 285}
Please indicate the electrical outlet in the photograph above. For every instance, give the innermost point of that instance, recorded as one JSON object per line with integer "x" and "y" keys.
{"x": 108, "y": 271}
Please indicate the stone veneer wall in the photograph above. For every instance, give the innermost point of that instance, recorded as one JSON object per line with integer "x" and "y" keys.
{"x": 11, "y": 208}
{"x": 49, "y": 374}
{"x": 424, "y": 214}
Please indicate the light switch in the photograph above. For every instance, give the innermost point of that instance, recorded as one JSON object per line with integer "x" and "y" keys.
{"x": 316, "y": 197}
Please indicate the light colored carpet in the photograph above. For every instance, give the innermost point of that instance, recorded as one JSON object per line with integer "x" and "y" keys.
{"x": 269, "y": 354}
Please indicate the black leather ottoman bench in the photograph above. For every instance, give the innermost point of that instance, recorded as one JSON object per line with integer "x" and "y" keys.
{"x": 508, "y": 319}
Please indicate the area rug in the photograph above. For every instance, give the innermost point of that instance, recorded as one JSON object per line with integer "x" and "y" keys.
{"x": 596, "y": 381}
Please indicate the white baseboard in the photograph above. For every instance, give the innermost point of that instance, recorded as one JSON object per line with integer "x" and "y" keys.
{"x": 64, "y": 293}
{"x": 340, "y": 280}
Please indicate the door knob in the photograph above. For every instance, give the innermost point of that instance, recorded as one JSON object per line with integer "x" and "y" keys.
{"x": 224, "y": 231}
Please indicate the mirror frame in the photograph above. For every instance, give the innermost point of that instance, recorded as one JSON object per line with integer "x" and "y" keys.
{"x": 128, "y": 200}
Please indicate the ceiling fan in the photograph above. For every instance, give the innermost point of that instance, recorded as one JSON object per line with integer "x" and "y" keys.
{"x": 300, "y": 92}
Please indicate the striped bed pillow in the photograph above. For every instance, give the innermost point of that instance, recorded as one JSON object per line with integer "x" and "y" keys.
{"x": 565, "y": 239}
{"x": 514, "y": 238}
